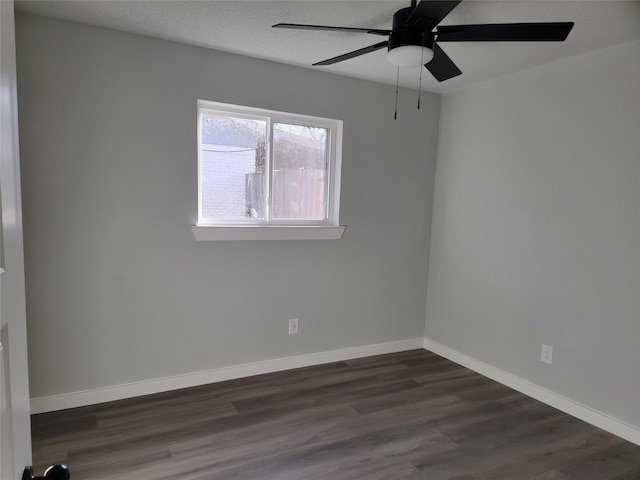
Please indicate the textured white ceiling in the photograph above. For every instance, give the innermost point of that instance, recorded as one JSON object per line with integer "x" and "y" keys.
{"x": 244, "y": 27}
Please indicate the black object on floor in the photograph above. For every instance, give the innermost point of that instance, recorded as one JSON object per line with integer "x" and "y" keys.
{"x": 55, "y": 472}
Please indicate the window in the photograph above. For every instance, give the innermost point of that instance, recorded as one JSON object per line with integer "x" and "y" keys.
{"x": 261, "y": 168}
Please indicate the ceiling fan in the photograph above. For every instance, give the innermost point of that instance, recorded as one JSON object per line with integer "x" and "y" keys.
{"x": 415, "y": 37}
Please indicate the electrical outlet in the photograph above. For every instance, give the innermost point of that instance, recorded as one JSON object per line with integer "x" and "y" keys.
{"x": 546, "y": 354}
{"x": 293, "y": 326}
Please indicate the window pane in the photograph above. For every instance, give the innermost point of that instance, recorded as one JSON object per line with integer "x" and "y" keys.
{"x": 299, "y": 188}
{"x": 232, "y": 162}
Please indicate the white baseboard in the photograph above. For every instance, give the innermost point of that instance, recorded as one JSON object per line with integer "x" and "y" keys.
{"x": 119, "y": 392}
{"x": 573, "y": 408}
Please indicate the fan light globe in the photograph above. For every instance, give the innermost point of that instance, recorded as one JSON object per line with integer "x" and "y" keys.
{"x": 410, "y": 55}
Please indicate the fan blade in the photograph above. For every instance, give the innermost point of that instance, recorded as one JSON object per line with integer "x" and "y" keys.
{"x": 441, "y": 66}
{"x": 506, "y": 32}
{"x": 434, "y": 10}
{"x": 355, "y": 53}
{"x": 299, "y": 26}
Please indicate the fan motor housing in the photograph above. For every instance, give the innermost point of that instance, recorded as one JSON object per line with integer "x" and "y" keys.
{"x": 406, "y": 34}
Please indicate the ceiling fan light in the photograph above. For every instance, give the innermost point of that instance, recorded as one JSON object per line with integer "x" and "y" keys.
{"x": 410, "y": 55}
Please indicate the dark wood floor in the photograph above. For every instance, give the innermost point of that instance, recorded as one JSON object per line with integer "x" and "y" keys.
{"x": 410, "y": 415}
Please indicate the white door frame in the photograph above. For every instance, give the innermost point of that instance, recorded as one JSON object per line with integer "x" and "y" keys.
{"x": 15, "y": 440}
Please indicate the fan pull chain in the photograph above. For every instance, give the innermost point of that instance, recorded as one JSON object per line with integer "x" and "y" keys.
{"x": 395, "y": 115}
{"x": 421, "y": 68}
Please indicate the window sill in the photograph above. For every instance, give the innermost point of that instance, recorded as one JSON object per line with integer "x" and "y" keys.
{"x": 206, "y": 233}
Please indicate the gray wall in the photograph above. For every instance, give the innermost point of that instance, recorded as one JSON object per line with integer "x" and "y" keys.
{"x": 118, "y": 290}
{"x": 536, "y": 228}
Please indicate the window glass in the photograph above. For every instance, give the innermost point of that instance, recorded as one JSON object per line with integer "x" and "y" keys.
{"x": 232, "y": 159}
{"x": 299, "y": 172}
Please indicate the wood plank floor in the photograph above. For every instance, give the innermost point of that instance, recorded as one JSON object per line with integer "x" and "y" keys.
{"x": 410, "y": 415}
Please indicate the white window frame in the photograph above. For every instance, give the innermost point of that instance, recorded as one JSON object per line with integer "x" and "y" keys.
{"x": 268, "y": 228}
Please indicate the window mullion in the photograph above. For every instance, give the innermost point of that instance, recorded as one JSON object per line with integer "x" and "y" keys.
{"x": 328, "y": 191}
{"x": 268, "y": 175}
{"x": 199, "y": 135}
